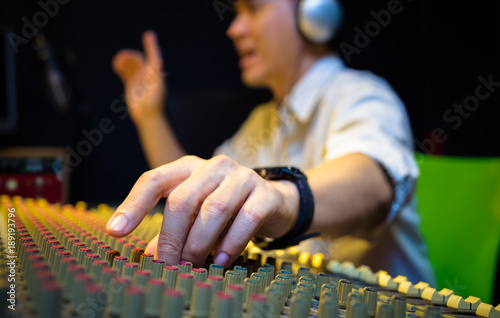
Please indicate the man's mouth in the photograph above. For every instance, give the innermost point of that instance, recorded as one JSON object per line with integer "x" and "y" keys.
{"x": 247, "y": 57}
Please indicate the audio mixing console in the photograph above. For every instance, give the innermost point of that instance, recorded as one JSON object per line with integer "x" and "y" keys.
{"x": 58, "y": 261}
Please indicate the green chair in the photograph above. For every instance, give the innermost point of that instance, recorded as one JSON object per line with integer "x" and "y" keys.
{"x": 459, "y": 204}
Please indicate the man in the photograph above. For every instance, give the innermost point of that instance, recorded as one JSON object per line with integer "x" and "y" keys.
{"x": 346, "y": 130}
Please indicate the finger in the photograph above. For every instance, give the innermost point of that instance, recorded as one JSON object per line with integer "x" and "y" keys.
{"x": 215, "y": 213}
{"x": 147, "y": 191}
{"x": 152, "y": 49}
{"x": 151, "y": 248}
{"x": 126, "y": 63}
{"x": 182, "y": 206}
{"x": 255, "y": 211}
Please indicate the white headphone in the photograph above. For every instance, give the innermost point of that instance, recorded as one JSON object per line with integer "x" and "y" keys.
{"x": 319, "y": 20}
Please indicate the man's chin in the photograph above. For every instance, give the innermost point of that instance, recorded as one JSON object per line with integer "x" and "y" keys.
{"x": 253, "y": 80}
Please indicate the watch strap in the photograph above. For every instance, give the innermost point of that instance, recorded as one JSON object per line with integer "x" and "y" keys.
{"x": 306, "y": 207}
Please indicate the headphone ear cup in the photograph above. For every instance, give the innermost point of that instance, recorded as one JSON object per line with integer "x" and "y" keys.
{"x": 318, "y": 20}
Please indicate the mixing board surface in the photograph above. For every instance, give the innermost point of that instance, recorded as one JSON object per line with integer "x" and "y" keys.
{"x": 58, "y": 261}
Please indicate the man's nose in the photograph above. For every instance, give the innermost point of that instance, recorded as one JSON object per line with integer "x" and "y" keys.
{"x": 237, "y": 28}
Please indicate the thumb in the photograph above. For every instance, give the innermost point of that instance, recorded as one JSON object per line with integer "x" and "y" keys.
{"x": 151, "y": 248}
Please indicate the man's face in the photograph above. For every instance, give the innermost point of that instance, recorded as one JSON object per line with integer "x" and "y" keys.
{"x": 266, "y": 39}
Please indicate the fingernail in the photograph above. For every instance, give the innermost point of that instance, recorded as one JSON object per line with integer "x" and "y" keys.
{"x": 221, "y": 259}
{"x": 118, "y": 223}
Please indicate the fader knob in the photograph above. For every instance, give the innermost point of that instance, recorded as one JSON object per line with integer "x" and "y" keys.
{"x": 170, "y": 276}
{"x": 357, "y": 310}
{"x": 321, "y": 279}
{"x": 399, "y": 304}
{"x": 385, "y": 310}
{"x": 370, "y": 299}
{"x": 217, "y": 283}
{"x": 173, "y": 304}
{"x": 185, "y": 267}
{"x": 223, "y": 307}
{"x": 200, "y": 274}
{"x": 185, "y": 282}
{"x": 154, "y": 294}
{"x": 216, "y": 270}
{"x": 328, "y": 309}
{"x": 300, "y": 308}
{"x": 238, "y": 294}
{"x": 202, "y": 300}
{"x": 345, "y": 287}
{"x": 157, "y": 268}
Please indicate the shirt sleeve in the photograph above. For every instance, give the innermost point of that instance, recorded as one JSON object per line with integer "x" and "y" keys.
{"x": 370, "y": 119}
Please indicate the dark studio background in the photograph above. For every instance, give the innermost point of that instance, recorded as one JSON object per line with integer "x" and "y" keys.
{"x": 432, "y": 54}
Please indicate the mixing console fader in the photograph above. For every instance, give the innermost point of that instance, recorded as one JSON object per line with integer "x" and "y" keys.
{"x": 58, "y": 261}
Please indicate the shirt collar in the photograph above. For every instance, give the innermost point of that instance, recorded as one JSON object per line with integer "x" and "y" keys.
{"x": 307, "y": 91}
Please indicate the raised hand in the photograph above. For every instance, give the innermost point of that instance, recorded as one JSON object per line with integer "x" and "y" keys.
{"x": 143, "y": 78}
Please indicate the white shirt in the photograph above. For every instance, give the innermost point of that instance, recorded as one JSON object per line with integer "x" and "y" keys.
{"x": 333, "y": 111}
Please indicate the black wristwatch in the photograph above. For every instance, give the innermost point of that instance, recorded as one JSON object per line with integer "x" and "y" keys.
{"x": 306, "y": 207}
